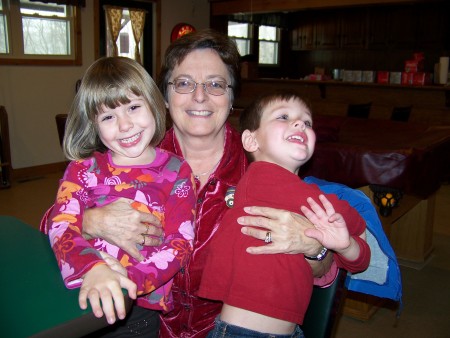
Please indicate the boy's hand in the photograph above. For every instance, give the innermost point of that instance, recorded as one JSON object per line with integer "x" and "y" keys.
{"x": 330, "y": 227}
{"x": 102, "y": 284}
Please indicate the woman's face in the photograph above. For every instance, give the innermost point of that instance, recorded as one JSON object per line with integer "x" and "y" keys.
{"x": 199, "y": 113}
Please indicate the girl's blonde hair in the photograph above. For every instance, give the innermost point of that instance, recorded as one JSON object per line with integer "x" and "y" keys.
{"x": 109, "y": 82}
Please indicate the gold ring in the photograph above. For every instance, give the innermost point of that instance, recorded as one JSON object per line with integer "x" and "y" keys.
{"x": 268, "y": 238}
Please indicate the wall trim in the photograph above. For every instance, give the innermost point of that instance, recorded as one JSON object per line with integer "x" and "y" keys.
{"x": 40, "y": 170}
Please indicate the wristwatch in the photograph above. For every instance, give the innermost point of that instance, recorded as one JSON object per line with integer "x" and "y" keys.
{"x": 322, "y": 254}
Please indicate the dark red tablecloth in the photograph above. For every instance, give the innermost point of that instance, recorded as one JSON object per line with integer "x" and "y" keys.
{"x": 409, "y": 156}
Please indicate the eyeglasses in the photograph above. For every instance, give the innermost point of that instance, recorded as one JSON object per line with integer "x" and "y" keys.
{"x": 185, "y": 86}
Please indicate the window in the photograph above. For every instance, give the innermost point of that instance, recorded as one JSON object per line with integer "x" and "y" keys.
{"x": 267, "y": 42}
{"x": 3, "y": 36}
{"x": 269, "y": 38}
{"x": 33, "y": 32}
{"x": 130, "y": 11}
{"x": 241, "y": 33}
{"x": 126, "y": 44}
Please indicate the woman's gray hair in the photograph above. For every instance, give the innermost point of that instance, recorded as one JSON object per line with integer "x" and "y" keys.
{"x": 109, "y": 82}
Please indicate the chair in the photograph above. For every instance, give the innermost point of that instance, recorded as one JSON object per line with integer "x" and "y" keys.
{"x": 5, "y": 150}
{"x": 401, "y": 113}
{"x": 361, "y": 110}
{"x": 325, "y": 308}
{"x": 61, "y": 126}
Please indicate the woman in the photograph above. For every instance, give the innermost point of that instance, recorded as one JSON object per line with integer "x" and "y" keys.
{"x": 199, "y": 79}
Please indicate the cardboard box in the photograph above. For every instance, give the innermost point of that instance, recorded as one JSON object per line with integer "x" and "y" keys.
{"x": 315, "y": 77}
{"x": 413, "y": 66}
{"x": 357, "y": 75}
{"x": 420, "y": 56}
{"x": 407, "y": 78}
{"x": 395, "y": 78}
{"x": 421, "y": 79}
{"x": 368, "y": 76}
{"x": 347, "y": 76}
{"x": 382, "y": 77}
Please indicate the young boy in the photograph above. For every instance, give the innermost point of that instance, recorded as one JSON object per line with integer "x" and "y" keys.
{"x": 267, "y": 295}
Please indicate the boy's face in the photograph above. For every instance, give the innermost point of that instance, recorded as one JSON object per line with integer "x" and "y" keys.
{"x": 285, "y": 136}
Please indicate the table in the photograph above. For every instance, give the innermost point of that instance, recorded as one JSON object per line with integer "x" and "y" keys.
{"x": 35, "y": 302}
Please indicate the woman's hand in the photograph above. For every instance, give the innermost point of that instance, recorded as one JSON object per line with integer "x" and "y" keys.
{"x": 103, "y": 287}
{"x": 120, "y": 224}
{"x": 287, "y": 230}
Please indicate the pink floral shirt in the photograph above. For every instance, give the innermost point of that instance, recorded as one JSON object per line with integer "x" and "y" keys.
{"x": 164, "y": 188}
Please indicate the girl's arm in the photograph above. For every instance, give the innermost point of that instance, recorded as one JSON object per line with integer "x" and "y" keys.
{"x": 74, "y": 254}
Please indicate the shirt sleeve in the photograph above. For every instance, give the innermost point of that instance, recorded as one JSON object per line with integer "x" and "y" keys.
{"x": 356, "y": 226}
{"x": 44, "y": 224}
{"x": 74, "y": 255}
{"x": 361, "y": 263}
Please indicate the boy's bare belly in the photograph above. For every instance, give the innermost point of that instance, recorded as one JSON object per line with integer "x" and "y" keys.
{"x": 255, "y": 321}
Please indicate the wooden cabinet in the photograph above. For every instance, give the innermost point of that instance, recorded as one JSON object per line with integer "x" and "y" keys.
{"x": 302, "y": 36}
{"x": 402, "y": 25}
{"x": 378, "y": 29}
{"x": 353, "y": 28}
{"x": 327, "y": 29}
{"x": 392, "y": 27}
{"x": 433, "y": 28}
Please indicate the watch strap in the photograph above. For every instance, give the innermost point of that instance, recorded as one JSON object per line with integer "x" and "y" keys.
{"x": 322, "y": 254}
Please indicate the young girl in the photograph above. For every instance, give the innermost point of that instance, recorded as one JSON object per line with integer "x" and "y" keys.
{"x": 116, "y": 119}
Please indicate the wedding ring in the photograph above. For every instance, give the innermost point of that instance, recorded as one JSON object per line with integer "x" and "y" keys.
{"x": 143, "y": 239}
{"x": 268, "y": 238}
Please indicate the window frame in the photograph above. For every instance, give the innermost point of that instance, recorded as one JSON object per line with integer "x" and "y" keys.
{"x": 255, "y": 42}
{"x": 44, "y": 60}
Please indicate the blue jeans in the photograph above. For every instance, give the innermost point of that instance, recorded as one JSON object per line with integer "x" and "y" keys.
{"x": 224, "y": 330}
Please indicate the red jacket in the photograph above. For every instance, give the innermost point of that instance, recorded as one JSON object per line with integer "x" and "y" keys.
{"x": 194, "y": 316}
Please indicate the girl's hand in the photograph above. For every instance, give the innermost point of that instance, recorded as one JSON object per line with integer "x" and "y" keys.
{"x": 113, "y": 263}
{"x": 103, "y": 287}
{"x": 121, "y": 225}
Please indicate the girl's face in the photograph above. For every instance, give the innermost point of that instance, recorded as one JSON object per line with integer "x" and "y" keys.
{"x": 199, "y": 113}
{"x": 127, "y": 131}
{"x": 285, "y": 135}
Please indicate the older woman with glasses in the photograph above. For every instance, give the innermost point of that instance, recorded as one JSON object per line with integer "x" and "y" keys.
{"x": 199, "y": 78}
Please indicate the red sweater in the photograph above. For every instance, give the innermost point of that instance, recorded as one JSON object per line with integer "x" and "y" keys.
{"x": 280, "y": 285}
